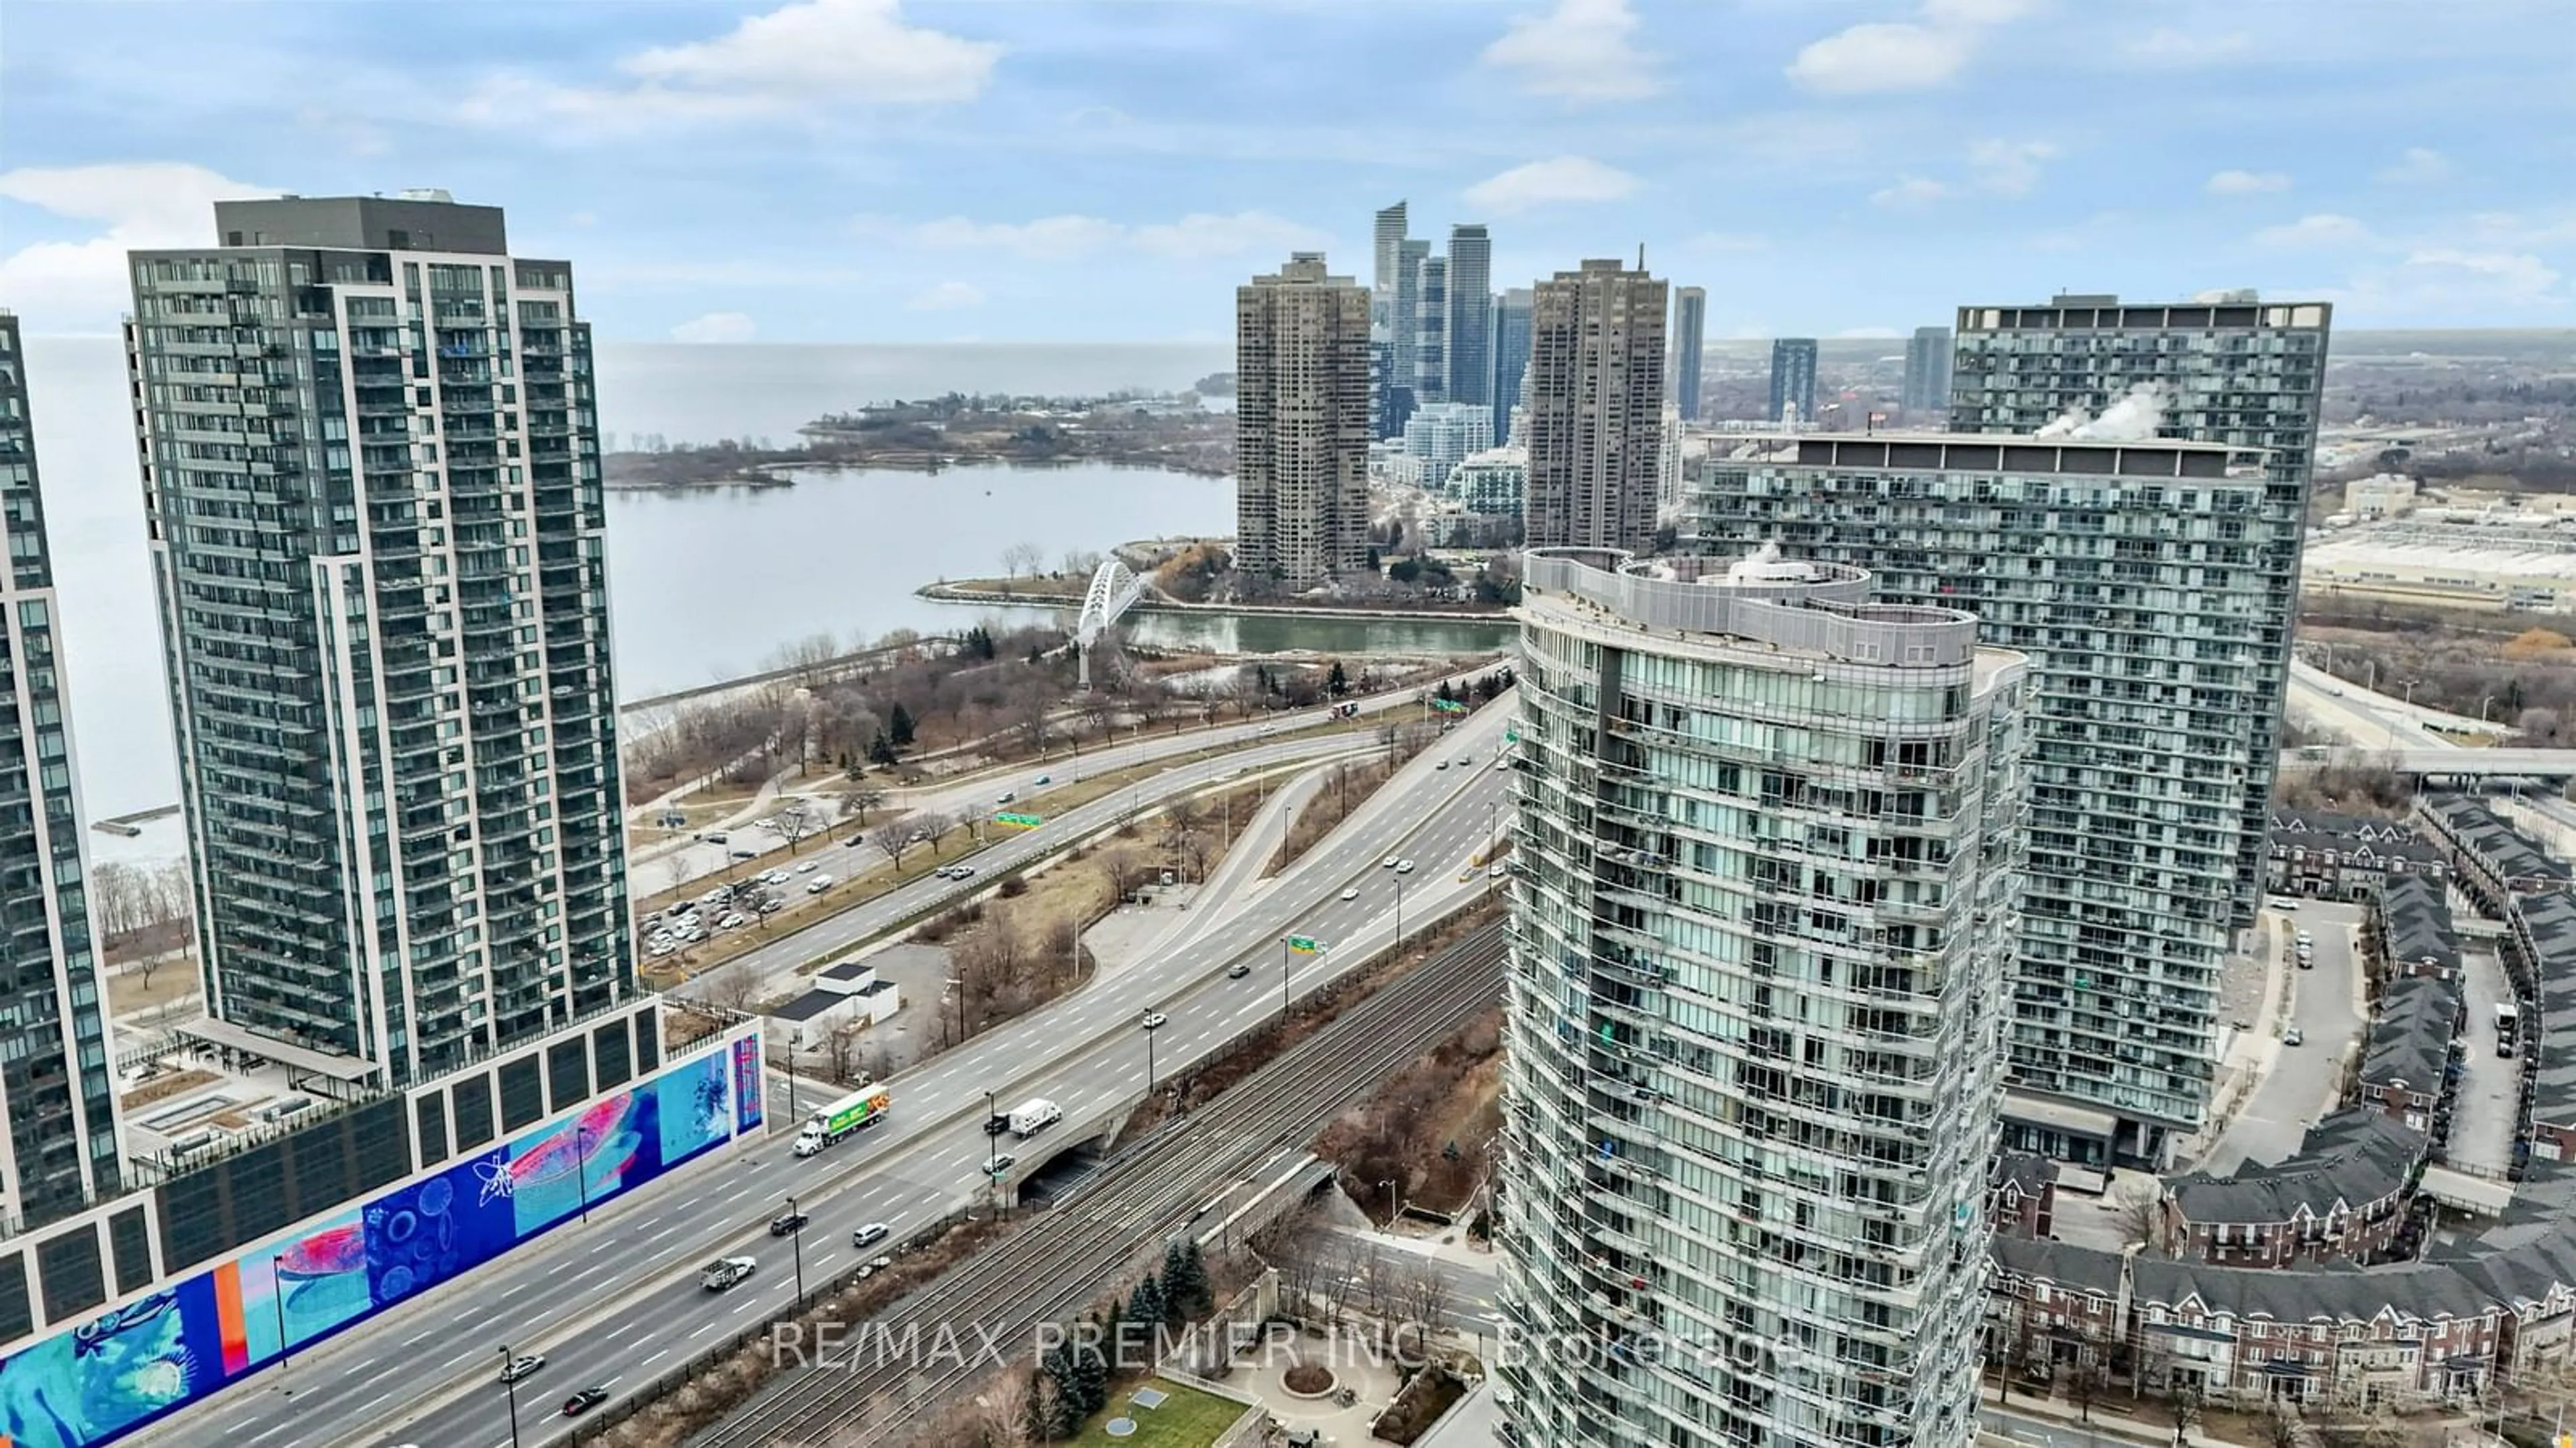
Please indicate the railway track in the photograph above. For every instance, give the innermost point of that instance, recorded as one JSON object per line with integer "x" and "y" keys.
{"x": 1052, "y": 1269}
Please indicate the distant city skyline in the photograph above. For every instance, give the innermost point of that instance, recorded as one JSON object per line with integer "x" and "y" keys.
{"x": 876, "y": 171}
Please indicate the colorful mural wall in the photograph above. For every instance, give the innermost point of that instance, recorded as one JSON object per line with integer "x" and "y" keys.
{"x": 96, "y": 1382}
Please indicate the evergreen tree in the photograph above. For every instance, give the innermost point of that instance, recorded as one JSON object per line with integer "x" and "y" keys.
{"x": 1447, "y": 693}
{"x": 881, "y": 750}
{"x": 1051, "y": 1396}
{"x": 899, "y": 727}
{"x": 1145, "y": 1314}
{"x": 1195, "y": 1294}
{"x": 1176, "y": 1272}
{"x": 1090, "y": 1384}
{"x": 1338, "y": 682}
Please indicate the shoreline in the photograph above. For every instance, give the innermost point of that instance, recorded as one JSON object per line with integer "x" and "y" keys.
{"x": 781, "y": 472}
{"x": 959, "y": 593}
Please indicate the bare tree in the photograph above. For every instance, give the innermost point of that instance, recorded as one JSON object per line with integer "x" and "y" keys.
{"x": 2138, "y": 1211}
{"x": 2280, "y": 1427}
{"x": 932, "y": 826}
{"x": 1422, "y": 1296}
{"x": 1061, "y": 947}
{"x": 806, "y": 657}
{"x": 1022, "y": 558}
{"x": 735, "y": 987}
{"x": 841, "y": 1050}
{"x": 796, "y": 820}
{"x": 893, "y": 839}
{"x": 856, "y": 803}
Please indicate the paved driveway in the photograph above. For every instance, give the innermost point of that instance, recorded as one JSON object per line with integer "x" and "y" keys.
{"x": 2301, "y": 1082}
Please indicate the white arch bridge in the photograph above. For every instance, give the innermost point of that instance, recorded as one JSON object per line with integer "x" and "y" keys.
{"x": 1113, "y": 591}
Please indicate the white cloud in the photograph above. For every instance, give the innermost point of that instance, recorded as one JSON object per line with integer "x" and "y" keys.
{"x": 1995, "y": 167}
{"x": 716, "y": 327}
{"x": 1908, "y": 192}
{"x": 2166, "y": 45}
{"x": 2443, "y": 283}
{"x": 2323, "y": 229}
{"x": 1904, "y": 55}
{"x": 946, "y": 297}
{"x": 1580, "y": 51}
{"x": 1882, "y": 57}
{"x": 80, "y": 286}
{"x": 1200, "y": 236}
{"x": 2248, "y": 183}
{"x": 812, "y": 53}
{"x": 1049, "y": 238}
{"x": 1558, "y": 180}
{"x": 1728, "y": 241}
{"x": 2008, "y": 168}
{"x": 2417, "y": 166}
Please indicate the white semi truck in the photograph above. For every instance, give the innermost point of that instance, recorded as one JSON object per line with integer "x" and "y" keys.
{"x": 862, "y": 1108}
{"x": 1033, "y": 1116}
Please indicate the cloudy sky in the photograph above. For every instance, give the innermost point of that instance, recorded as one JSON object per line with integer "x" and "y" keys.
{"x": 1048, "y": 170}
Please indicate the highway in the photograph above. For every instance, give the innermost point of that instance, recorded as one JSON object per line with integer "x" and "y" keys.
{"x": 776, "y": 962}
{"x": 616, "y": 1301}
{"x": 1141, "y": 1197}
{"x": 973, "y": 797}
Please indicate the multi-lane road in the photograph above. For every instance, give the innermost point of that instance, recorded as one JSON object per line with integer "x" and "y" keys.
{"x": 972, "y": 798}
{"x": 617, "y": 1301}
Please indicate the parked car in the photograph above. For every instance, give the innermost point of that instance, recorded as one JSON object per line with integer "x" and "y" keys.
{"x": 2293, "y": 1036}
{"x": 746, "y": 854}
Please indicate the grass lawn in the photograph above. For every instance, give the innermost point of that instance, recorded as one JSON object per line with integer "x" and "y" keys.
{"x": 1187, "y": 1419}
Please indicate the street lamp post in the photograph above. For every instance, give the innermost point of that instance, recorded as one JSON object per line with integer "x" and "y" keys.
{"x": 1389, "y": 1184}
{"x": 1149, "y": 1058}
{"x": 1399, "y": 914}
{"x": 1287, "y": 963}
{"x": 796, "y": 1242}
{"x": 277, "y": 1294}
{"x": 581, "y": 1164}
{"x": 795, "y": 1049}
{"x": 510, "y": 1385}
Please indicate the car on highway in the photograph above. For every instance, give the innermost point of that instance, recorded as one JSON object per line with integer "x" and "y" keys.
{"x": 818, "y": 885}
{"x": 1466, "y": 761}
{"x": 745, "y": 854}
{"x": 1006, "y": 796}
{"x": 585, "y": 1400}
{"x": 716, "y": 837}
{"x": 786, "y": 1222}
{"x": 1388, "y": 863}
{"x": 725, "y": 1272}
{"x": 1351, "y": 892}
{"x": 996, "y": 1125}
{"x": 962, "y": 872}
{"x": 522, "y": 1366}
{"x": 1043, "y": 779}
{"x": 1001, "y": 1163}
{"x": 1496, "y": 871}
{"x": 730, "y": 922}
{"x": 1443, "y": 764}
{"x": 773, "y": 877}
{"x": 872, "y": 1232}
{"x": 1238, "y": 970}
{"x": 808, "y": 867}
{"x": 1466, "y": 874}
{"x": 2293, "y": 1036}
{"x": 1404, "y": 867}
{"x": 1154, "y": 1020}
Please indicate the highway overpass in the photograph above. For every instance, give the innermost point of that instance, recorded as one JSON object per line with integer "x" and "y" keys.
{"x": 2465, "y": 766}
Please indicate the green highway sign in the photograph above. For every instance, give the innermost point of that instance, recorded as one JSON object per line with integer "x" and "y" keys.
{"x": 1024, "y": 821}
{"x": 1448, "y": 706}
{"x": 1511, "y": 736}
{"x": 1305, "y": 944}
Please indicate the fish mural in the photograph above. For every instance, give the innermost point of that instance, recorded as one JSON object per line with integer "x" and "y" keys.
{"x": 89, "y": 1386}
